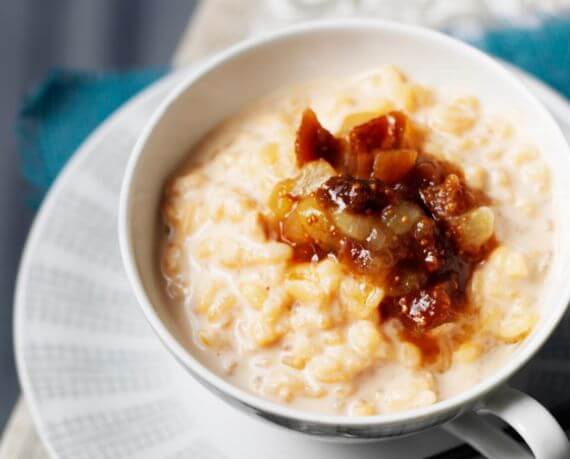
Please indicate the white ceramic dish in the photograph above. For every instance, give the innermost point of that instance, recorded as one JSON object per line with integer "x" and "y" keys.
{"x": 249, "y": 71}
{"x": 95, "y": 377}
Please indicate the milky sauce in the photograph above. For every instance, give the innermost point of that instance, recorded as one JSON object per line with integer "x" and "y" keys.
{"x": 311, "y": 336}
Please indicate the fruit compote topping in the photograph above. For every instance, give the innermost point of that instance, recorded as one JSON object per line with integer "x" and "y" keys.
{"x": 389, "y": 211}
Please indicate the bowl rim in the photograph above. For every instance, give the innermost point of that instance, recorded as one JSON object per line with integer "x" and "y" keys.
{"x": 456, "y": 403}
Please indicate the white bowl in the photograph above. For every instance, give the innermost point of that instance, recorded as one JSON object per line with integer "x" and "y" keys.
{"x": 254, "y": 68}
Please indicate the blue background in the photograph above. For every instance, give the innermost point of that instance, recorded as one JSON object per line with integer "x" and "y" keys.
{"x": 35, "y": 37}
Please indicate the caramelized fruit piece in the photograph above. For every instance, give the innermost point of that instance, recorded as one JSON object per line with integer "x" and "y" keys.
{"x": 381, "y": 238}
{"x": 432, "y": 307}
{"x": 280, "y": 200}
{"x": 448, "y": 199}
{"x": 314, "y": 141}
{"x": 406, "y": 281}
{"x": 475, "y": 228}
{"x": 307, "y": 224}
{"x": 355, "y": 119}
{"x": 406, "y": 219}
{"x": 426, "y": 238}
{"x": 391, "y": 166}
{"x": 402, "y": 216}
{"x": 366, "y": 261}
{"x": 293, "y": 231}
{"x": 422, "y": 309}
{"x": 387, "y": 132}
{"x": 311, "y": 177}
{"x": 355, "y": 195}
{"x": 316, "y": 222}
{"x": 355, "y": 226}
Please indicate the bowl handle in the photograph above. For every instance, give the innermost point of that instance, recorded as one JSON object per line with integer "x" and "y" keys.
{"x": 529, "y": 418}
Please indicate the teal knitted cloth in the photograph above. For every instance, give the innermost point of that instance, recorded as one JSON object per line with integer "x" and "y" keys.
{"x": 62, "y": 111}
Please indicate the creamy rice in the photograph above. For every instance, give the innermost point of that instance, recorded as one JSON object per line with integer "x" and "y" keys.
{"x": 310, "y": 335}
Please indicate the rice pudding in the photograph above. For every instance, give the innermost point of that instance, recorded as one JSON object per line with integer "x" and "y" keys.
{"x": 358, "y": 246}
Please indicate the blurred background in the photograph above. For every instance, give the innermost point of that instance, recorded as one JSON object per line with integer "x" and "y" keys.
{"x": 103, "y": 36}
{"x": 35, "y": 37}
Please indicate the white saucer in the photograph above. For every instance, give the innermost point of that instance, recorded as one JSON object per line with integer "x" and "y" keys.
{"x": 98, "y": 382}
